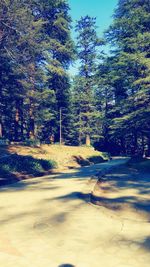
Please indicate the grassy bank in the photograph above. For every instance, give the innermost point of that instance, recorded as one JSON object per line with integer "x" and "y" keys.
{"x": 15, "y": 167}
{"x": 65, "y": 156}
{"x": 21, "y": 162}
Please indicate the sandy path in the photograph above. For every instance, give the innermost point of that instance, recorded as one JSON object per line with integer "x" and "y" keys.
{"x": 48, "y": 222}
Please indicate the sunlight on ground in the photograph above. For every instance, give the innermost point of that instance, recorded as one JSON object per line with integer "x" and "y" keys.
{"x": 65, "y": 156}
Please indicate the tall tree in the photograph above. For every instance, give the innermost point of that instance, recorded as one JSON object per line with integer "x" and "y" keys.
{"x": 59, "y": 55}
{"x": 87, "y": 46}
{"x": 130, "y": 35}
{"x": 35, "y": 50}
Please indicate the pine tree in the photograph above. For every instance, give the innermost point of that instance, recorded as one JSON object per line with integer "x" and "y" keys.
{"x": 60, "y": 53}
{"x": 130, "y": 33}
{"x": 35, "y": 49}
{"x": 87, "y": 46}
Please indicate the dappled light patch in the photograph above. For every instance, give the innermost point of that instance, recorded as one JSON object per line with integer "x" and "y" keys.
{"x": 124, "y": 189}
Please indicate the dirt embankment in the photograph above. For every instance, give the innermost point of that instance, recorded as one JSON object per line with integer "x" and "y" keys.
{"x": 23, "y": 162}
{"x": 64, "y": 156}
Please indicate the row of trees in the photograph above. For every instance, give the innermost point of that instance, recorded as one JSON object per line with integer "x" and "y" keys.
{"x": 35, "y": 51}
{"x": 107, "y": 103}
{"x": 120, "y": 81}
{"x": 126, "y": 73}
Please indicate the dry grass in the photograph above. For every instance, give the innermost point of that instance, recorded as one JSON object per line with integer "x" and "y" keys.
{"x": 65, "y": 156}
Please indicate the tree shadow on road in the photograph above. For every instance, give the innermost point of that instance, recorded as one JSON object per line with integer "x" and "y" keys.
{"x": 35, "y": 183}
{"x": 123, "y": 188}
{"x": 138, "y": 244}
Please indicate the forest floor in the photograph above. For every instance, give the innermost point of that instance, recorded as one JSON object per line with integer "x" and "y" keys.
{"x": 50, "y": 221}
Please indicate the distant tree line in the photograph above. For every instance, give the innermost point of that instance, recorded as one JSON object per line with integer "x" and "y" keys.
{"x": 106, "y": 104}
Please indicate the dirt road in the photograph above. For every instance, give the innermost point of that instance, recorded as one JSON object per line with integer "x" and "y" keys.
{"x": 48, "y": 222}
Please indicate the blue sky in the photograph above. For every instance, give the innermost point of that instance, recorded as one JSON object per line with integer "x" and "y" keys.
{"x": 101, "y": 9}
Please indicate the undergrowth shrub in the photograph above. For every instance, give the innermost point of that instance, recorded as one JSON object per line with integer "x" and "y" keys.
{"x": 25, "y": 165}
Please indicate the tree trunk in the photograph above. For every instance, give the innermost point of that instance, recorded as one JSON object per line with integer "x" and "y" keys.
{"x": 123, "y": 148}
{"x": 80, "y": 133}
{"x": 79, "y": 138}
{"x": 1, "y": 132}
{"x": 16, "y": 123}
{"x": 32, "y": 106}
{"x": 135, "y": 144}
{"x": 148, "y": 146}
{"x": 143, "y": 146}
{"x": 87, "y": 140}
{"x": 21, "y": 120}
{"x": 31, "y": 123}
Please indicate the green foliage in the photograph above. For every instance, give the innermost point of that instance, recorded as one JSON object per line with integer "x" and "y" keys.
{"x": 47, "y": 164}
{"x": 86, "y": 115}
{"x": 109, "y": 102}
{"x": 35, "y": 50}
{"x": 24, "y": 165}
{"x": 123, "y": 80}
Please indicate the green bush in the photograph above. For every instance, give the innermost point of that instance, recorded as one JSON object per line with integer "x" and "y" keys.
{"x": 25, "y": 165}
{"x": 47, "y": 164}
{"x": 4, "y": 171}
{"x": 3, "y": 141}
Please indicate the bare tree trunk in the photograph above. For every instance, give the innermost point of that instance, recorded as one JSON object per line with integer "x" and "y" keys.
{"x": 87, "y": 140}
{"x": 32, "y": 106}
{"x": 79, "y": 139}
{"x": 123, "y": 148}
{"x": 135, "y": 144}
{"x": 21, "y": 120}
{"x": 1, "y": 132}
{"x": 80, "y": 134}
{"x": 31, "y": 123}
{"x": 16, "y": 122}
{"x": 143, "y": 146}
{"x": 148, "y": 150}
